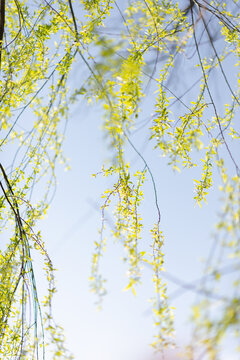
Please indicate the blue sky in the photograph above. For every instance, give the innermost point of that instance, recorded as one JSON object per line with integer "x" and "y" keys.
{"x": 123, "y": 328}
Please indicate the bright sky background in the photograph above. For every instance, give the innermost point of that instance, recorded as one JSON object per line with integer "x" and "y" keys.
{"x": 123, "y": 328}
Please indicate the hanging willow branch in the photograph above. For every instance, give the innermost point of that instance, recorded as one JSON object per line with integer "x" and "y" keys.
{"x": 2, "y": 23}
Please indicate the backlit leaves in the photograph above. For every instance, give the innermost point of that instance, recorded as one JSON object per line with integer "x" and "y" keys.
{"x": 128, "y": 71}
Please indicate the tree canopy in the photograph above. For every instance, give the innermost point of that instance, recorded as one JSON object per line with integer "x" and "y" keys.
{"x": 156, "y": 74}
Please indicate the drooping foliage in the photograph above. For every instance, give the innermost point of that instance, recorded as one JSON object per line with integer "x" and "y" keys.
{"x": 164, "y": 58}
